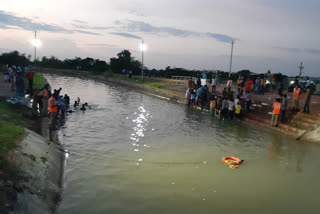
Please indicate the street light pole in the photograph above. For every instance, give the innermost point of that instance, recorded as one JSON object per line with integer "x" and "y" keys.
{"x": 231, "y": 57}
{"x": 35, "y": 49}
{"x": 301, "y": 68}
{"x": 142, "y": 50}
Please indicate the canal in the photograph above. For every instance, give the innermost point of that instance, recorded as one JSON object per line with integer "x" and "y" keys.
{"x": 134, "y": 153}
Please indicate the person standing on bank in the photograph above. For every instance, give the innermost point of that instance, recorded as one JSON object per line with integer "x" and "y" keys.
{"x": 308, "y": 98}
{"x": 276, "y": 112}
{"x": 214, "y": 84}
{"x": 229, "y": 84}
{"x": 284, "y": 104}
{"x": 45, "y": 96}
{"x": 30, "y": 78}
{"x": 53, "y": 109}
{"x": 296, "y": 97}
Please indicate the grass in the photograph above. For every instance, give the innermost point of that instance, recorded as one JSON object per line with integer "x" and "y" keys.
{"x": 156, "y": 84}
{"x": 9, "y": 133}
{"x": 38, "y": 81}
{"x": 10, "y": 112}
{"x": 134, "y": 79}
{"x": 44, "y": 159}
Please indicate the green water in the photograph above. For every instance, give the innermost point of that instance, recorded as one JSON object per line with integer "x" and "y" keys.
{"x": 177, "y": 166}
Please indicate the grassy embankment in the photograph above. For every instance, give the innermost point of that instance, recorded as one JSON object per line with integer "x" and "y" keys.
{"x": 13, "y": 117}
{"x": 9, "y": 131}
{"x": 135, "y": 79}
{"x": 38, "y": 81}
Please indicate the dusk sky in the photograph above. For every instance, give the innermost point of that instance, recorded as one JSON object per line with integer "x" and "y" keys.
{"x": 194, "y": 34}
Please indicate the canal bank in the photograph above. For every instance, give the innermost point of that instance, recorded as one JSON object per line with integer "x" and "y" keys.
{"x": 175, "y": 91}
{"x": 31, "y": 166}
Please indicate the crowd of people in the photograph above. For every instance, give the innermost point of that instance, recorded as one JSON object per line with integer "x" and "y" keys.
{"x": 15, "y": 76}
{"x": 227, "y": 104}
{"x": 54, "y": 105}
{"x": 43, "y": 101}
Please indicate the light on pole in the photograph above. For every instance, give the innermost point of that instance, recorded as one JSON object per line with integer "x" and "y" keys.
{"x": 36, "y": 43}
{"x": 143, "y": 48}
{"x": 231, "y": 58}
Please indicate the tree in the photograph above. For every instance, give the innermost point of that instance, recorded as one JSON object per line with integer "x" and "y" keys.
{"x": 125, "y": 61}
{"x": 14, "y": 58}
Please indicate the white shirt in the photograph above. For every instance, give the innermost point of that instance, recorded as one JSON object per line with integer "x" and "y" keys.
{"x": 231, "y": 105}
{"x": 214, "y": 81}
{"x": 236, "y": 102}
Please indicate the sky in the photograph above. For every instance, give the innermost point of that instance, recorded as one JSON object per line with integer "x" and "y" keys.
{"x": 271, "y": 35}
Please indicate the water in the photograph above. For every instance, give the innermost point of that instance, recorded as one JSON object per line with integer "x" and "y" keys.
{"x": 134, "y": 153}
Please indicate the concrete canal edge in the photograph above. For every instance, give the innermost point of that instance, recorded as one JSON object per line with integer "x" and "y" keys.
{"x": 40, "y": 164}
{"x": 33, "y": 175}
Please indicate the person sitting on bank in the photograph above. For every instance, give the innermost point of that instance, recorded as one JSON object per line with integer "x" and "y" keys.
{"x": 276, "y": 112}
{"x": 83, "y": 108}
{"x": 53, "y": 109}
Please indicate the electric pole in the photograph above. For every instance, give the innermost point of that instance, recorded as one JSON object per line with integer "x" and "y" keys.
{"x": 231, "y": 58}
{"x": 142, "y": 50}
{"x": 35, "y": 49}
{"x": 301, "y": 67}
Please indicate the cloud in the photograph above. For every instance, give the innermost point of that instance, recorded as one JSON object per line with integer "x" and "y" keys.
{"x": 292, "y": 50}
{"x": 312, "y": 51}
{"x": 79, "y": 21}
{"x": 2, "y": 26}
{"x": 102, "y": 45}
{"x": 220, "y": 37}
{"x": 8, "y": 20}
{"x": 299, "y": 50}
{"x": 138, "y": 26}
{"x": 87, "y": 32}
{"x": 82, "y": 26}
{"x": 128, "y": 35}
{"x": 136, "y": 13}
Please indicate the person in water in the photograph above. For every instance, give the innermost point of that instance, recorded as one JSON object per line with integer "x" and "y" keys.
{"x": 75, "y": 104}
{"x": 83, "y": 108}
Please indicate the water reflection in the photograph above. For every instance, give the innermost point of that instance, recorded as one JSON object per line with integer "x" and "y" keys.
{"x": 141, "y": 122}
